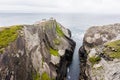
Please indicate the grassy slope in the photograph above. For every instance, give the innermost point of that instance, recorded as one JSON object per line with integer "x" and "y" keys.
{"x": 8, "y": 35}
{"x": 113, "y": 49}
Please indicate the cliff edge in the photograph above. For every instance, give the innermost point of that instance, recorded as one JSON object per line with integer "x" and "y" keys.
{"x": 100, "y": 53}
{"x": 41, "y": 51}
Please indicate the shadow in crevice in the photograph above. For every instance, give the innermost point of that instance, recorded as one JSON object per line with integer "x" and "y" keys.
{"x": 83, "y": 65}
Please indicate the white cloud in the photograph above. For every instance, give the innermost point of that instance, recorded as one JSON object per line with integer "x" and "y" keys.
{"x": 87, "y": 6}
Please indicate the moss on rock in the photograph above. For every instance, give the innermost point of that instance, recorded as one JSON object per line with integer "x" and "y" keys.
{"x": 94, "y": 59}
{"x": 45, "y": 76}
{"x": 54, "y": 52}
{"x": 57, "y": 41}
{"x": 36, "y": 77}
{"x": 59, "y": 31}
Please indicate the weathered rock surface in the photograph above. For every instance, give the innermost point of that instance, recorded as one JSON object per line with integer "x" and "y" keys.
{"x": 42, "y": 51}
{"x": 100, "y": 53}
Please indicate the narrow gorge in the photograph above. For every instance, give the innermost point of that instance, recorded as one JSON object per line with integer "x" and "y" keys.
{"x": 46, "y": 50}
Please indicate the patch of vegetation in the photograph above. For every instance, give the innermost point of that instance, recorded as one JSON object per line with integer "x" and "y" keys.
{"x": 36, "y": 77}
{"x": 57, "y": 41}
{"x": 112, "y": 49}
{"x": 99, "y": 68}
{"x": 1, "y": 50}
{"x": 94, "y": 60}
{"x": 59, "y": 31}
{"x": 45, "y": 76}
{"x": 115, "y": 55}
{"x": 101, "y": 79}
{"x": 53, "y": 52}
{"x": 114, "y": 44}
{"x": 8, "y": 35}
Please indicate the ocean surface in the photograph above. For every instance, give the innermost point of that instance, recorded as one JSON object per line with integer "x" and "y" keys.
{"x": 77, "y": 23}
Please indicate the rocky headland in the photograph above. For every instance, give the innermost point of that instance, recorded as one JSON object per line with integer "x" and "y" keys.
{"x": 100, "y": 53}
{"x": 41, "y": 51}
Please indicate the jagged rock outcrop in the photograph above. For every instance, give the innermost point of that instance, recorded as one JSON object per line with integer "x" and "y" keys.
{"x": 100, "y": 53}
{"x": 41, "y": 51}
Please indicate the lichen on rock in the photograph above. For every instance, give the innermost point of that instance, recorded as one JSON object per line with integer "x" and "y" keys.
{"x": 101, "y": 48}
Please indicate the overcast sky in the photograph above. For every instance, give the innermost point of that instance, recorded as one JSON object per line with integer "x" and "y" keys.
{"x": 61, "y": 6}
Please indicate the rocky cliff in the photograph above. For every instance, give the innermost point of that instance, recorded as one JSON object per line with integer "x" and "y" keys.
{"x": 100, "y": 53}
{"x": 41, "y": 51}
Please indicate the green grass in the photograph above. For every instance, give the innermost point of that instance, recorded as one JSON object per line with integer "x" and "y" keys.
{"x": 109, "y": 49}
{"x": 115, "y": 55}
{"x": 57, "y": 41}
{"x": 59, "y": 31}
{"x": 45, "y": 76}
{"x": 114, "y": 44}
{"x": 36, "y": 77}
{"x": 53, "y": 52}
{"x": 8, "y": 35}
{"x": 94, "y": 59}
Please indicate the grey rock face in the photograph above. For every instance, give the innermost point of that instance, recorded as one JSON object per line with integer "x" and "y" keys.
{"x": 94, "y": 47}
{"x": 98, "y": 35}
{"x": 40, "y": 48}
